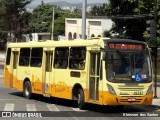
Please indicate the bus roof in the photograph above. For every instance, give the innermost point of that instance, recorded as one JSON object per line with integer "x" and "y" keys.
{"x": 50, "y": 43}
{"x": 96, "y": 41}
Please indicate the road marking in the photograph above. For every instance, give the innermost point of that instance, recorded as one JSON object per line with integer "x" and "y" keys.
{"x": 73, "y": 116}
{"x": 158, "y": 109}
{"x": 52, "y": 107}
{"x": 77, "y": 109}
{"x": 31, "y": 107}
{"x": 11, "y": 99}
{"x": 9, "y": 107}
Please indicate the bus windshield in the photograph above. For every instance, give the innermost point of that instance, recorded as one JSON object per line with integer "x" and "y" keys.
{"x": 128, "y": 67}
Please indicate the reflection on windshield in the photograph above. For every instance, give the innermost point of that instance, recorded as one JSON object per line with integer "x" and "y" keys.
{"x": 128, "y": 67}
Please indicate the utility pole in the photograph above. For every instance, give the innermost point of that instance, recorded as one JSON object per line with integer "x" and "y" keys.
{"x": 84, "y": 4}
{"x": 52, "y": 24}
{"x": 155, "y": 49}
{"x": 88, "y": 30}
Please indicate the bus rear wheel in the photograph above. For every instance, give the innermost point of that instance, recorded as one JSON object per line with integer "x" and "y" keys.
{"x": 27, "y": 92}
{"x": 80, "y": 99}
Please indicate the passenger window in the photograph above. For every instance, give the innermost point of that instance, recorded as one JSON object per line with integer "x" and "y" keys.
{"x": 24, "y": 57}
{"x": 36, "y": 57}
{"x": 8, "y": 56}
{"x": 77, "y": 58}
{"x": 61, "y": 57}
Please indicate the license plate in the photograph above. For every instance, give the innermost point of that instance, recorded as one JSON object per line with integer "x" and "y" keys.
{"x": 131, "y": 99}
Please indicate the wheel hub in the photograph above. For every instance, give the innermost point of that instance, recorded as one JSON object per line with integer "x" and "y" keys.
{"x": 79, "y": 98}
{"x": 26, "y": 92}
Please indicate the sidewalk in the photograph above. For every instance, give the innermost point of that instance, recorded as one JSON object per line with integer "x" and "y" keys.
{"x": 156, "y": 101}
{"x": 1, "y": 76}
{"x": 2, "y": 60}
{"x": 1, "y": 71}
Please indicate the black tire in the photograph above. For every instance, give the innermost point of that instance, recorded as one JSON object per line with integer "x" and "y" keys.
{"x": 80, "y": 99}
{"x": 27, "y": 91}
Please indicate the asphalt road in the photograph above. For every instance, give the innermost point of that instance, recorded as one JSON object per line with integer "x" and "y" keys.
{"x": 56, "y": 109}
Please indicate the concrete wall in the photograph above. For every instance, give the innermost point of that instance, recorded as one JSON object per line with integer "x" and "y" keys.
{"x": 93, "y": 26}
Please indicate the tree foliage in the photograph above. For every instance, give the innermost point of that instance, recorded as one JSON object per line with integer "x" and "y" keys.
{"x": 42, "y": 19}
{"x": 106, "y": 34}
{"x": 129, "y": 16}
{"x": 138, "y": 12}
{"x": 15, "y": 17}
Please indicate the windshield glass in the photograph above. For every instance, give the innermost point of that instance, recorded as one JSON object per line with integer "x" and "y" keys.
{"x": 128, "y": 67}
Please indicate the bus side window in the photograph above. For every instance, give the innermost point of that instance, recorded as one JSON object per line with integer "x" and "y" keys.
{"x": 61, "y": 57}
{"x": 36, "y": 57}
{"x": 77, "y": 58}
{"x": 24, "y": 57}
{"x": 8, "y": 56}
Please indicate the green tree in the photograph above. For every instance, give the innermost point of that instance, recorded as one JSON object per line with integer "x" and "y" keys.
{"x": 94, "y": 11}
{"x": 42, "y": 19}
{"x": 106, "y": 33}
{"x": 15, "y": 17}
{"x": 3, "y": 35}
{"x": 130, "y": 16}
{"x": 59, "y": 28}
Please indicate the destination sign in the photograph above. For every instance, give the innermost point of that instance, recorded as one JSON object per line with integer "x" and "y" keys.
{"x": 125, "y": 46}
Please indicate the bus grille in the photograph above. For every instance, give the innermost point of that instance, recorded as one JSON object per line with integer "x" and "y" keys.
{"x": 126, "y": 100}
{"x": 130, "y": 88}
{"x": 131, "y": 91}
{"x": 131, "y": 94}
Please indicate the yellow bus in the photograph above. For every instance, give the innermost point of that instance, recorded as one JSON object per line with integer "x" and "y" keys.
{"x": 99, "y": 71}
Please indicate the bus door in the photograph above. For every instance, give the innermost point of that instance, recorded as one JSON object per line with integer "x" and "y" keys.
{"x": 47, "y": 73}
{"x": 14, "y": 69}
{"x": 94, "y": 76}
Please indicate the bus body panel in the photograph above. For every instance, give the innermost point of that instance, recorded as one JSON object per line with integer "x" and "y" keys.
{"x": 7, "y": 75}
{"x": 61, "y": 85}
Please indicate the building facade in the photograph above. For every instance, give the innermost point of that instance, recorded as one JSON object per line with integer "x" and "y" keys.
{"x": 36, "y": 37}
{"x": 94, "y": 27}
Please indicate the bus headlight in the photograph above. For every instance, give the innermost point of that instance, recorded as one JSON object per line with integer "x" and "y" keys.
{"x": 111, "y": 89}
{"x": 149, "y": 89}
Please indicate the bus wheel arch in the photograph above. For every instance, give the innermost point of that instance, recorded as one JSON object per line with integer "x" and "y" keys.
{"x": 27, "y": 89}
{"x": 78, "y": 94}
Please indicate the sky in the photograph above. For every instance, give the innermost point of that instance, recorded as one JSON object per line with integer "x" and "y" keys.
{"x": 69, "y": 1}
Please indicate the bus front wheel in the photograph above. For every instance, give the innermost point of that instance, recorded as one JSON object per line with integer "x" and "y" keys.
{"x": 80, "y": 97}
{"x": 27, "y": 90}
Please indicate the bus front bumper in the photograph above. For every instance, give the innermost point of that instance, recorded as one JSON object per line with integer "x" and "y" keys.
{"x": 110, "y": 99}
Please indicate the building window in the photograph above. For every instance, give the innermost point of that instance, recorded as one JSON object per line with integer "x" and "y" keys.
{"x": 61, "y": 57}
{"x": 77, "y": 58}
{"x": 92, "y": 35}
{"x": 75, "y": 35}
{"x": 69, "y": 36}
